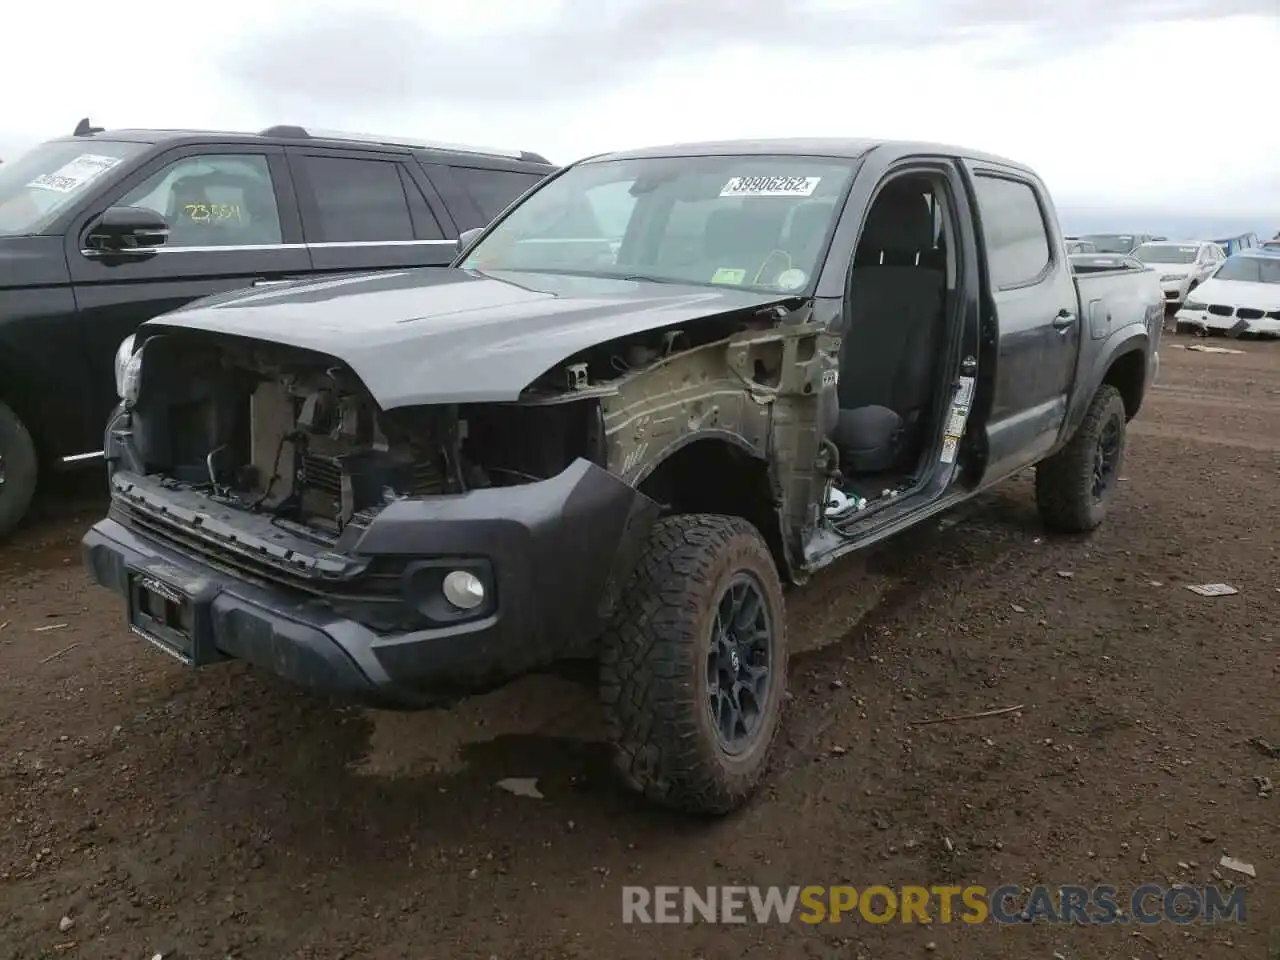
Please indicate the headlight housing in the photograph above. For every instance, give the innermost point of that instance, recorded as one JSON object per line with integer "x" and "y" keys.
{"x": 128, "y": 367}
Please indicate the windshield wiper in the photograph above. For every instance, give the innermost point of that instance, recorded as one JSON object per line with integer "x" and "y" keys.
{"x": 640, "y": 278}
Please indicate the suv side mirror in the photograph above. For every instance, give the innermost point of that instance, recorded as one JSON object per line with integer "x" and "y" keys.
{"x": 126, "y": 232}
{"x": 468, "y": 237}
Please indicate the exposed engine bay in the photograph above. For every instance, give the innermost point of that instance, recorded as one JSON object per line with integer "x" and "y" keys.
{"x": 279, "y": 431}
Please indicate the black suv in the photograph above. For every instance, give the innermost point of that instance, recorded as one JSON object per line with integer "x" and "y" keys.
{"x": 103, "y": 230}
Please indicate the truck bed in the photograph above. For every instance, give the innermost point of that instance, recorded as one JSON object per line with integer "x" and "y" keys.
{"x": 1114, "y": 290}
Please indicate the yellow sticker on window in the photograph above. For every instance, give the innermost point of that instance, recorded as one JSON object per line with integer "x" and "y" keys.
{"x": 212, "y": 212}
{"x": 728, "y": 275}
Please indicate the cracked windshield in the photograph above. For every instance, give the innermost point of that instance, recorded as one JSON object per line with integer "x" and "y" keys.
{"x": 754, "y": 223}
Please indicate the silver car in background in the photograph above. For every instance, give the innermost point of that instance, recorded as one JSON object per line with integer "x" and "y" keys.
{"x": 1182, "y": 266}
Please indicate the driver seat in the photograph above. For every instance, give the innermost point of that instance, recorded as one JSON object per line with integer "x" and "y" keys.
{"x": 889, "y": 352}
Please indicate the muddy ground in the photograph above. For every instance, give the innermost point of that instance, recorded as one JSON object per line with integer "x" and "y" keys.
{"x": 219, "y": 814}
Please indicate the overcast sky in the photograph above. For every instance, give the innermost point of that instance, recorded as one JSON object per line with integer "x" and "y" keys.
{"x": 1161, "y": 104}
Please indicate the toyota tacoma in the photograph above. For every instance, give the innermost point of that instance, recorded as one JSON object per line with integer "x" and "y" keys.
{"x": 658, "y": 389}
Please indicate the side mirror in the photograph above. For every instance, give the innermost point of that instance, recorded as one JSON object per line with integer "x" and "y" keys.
{"x": 468, "y": 237}
{"x": 126, "y": 231}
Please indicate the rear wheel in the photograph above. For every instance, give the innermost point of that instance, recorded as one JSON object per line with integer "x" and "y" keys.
{"x": 1074, "y": 487}
{"x": 693, "y": 669}
{"x": 19, "y": 467}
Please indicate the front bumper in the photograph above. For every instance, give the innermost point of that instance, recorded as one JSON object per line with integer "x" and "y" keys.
{"x": 558, "y": 551}
{"x": 1229, "y": 320}
{"x": 1175, "y": 291}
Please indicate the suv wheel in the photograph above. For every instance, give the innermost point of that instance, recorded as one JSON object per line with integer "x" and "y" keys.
{"x": 1075, "y": 485}
{"x": 694, "y": 666}
{"x": 19, "y": 467}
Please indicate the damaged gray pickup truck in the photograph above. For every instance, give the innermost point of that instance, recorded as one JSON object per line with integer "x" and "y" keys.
{"x": 657, "y": 388}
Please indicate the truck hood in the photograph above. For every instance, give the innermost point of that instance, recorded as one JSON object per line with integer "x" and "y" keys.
{"x": 453, "y": 336}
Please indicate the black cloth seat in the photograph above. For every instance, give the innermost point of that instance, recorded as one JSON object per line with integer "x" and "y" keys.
{"x": 889, "y": 350}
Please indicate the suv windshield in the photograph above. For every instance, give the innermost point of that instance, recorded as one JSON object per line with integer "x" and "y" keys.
{"x": 751, "y": 222}
{"x": 1166, "y": 253}
{"x": 1265, "y": 269}
{"x": 42, "y": 183}
{"x": 1111, "y": 242}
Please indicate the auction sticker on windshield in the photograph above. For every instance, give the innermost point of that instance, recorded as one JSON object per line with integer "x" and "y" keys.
{"x": 728, "y": 275}
{"x": 75, "y": 174}
{"x": 771, "y": 187}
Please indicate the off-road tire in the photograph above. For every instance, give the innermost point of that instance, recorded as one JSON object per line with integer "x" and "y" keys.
{"x": 653, "y": 665}
{"x": 1064, "y": 481}
{"x": 21, "y": 468}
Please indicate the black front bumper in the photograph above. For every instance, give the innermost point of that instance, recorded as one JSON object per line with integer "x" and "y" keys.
{"x": 559, "y": 550}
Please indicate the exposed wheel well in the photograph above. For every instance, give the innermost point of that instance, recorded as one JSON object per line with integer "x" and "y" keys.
{"x": 1128, "y": 374}
{"x": 712, "y": 475}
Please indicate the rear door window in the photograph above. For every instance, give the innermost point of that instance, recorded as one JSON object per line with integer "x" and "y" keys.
{"x": 356, "y": 201}
{"x": 493, "y": 190}
{"x": 1017, "y": 237}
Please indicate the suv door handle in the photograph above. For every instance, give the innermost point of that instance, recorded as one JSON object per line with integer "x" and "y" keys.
{"x": 1063, "y": 320}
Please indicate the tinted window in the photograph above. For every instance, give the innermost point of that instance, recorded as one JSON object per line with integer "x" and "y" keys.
{"x": 1014, "y": 229}
{"x": 493, "y": 190}
{"x": 1112, "y": 242}
{"x": 213, "y": 201}
{"x": 357, "y": 201}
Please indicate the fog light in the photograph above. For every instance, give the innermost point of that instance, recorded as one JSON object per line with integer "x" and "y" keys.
{"x": 463, "y": 590}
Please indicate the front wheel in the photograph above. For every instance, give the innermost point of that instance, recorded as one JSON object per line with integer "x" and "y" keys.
{"x": 1074, "y": 487}
{"x": 694, "y": 666}
{"x": 19, "y": 468}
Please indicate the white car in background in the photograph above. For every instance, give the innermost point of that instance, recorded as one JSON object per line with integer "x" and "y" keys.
{"x": 1182, "y": 266}
{"x": 1243, "y": 296}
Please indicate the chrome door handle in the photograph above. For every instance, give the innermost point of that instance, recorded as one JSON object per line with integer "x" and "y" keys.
{"x": 1063, "y": 320}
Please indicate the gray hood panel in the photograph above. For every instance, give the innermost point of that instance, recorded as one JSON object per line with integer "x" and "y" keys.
{"x": 452, "y": 336}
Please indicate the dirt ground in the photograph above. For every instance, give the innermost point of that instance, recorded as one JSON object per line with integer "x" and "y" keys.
{"x": 218, "y": 814}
